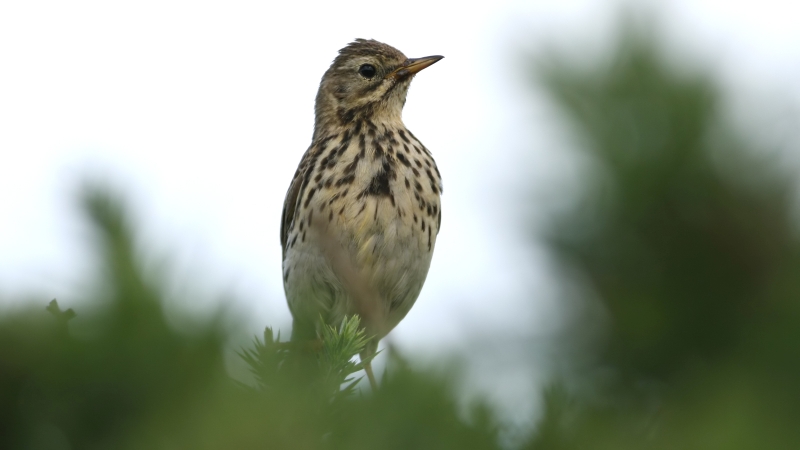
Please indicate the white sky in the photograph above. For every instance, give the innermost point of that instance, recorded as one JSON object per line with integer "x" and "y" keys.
{"x": 200, "y": 112}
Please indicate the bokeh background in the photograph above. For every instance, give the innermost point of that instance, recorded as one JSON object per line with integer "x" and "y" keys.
{"x": 199, "y": 114}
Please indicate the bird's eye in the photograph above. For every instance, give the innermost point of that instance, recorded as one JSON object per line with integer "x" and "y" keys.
{"x": 367, "y": 70}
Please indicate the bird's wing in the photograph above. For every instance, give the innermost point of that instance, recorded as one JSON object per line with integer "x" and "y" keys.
{"x": 292, "y": 197}
{"x": 288, "y": 211}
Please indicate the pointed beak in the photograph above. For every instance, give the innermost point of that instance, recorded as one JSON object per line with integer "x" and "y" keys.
{"x": 414, "y": 65}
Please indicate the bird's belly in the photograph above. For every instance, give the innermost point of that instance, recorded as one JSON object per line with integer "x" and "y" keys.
{"x": 367, "y": 258}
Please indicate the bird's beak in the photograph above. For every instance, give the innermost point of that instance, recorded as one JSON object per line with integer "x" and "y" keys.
{"x": 414, "y": 65}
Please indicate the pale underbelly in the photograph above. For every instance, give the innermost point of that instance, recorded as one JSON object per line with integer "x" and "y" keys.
{"x": 368, "y": 260}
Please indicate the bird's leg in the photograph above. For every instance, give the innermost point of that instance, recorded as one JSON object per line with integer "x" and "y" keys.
{"x": 371, "y": 376}
{"x": 367, "y": 354}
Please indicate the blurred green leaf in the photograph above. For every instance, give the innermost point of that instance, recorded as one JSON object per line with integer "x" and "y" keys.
{"x": 694, "y": 261}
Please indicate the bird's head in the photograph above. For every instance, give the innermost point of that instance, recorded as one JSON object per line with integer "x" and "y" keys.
{"x": 367, "y": 79}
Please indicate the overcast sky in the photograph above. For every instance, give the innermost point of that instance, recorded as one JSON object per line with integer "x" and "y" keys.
{"x": 200, "y": 111}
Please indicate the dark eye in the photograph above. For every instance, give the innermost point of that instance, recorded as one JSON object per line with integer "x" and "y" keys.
{"x": 367, "y": 70}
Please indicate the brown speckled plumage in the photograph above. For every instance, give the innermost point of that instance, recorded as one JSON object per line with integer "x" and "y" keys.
{"x": 363, "y": 210}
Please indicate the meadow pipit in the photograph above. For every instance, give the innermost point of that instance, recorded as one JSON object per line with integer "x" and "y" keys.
{"x": 362, "y": 213}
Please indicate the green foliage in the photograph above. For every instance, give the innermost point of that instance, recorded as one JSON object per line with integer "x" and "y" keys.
{"x": 266, "y": 359}
{"x": 685, "y": 235}
{"x": 319, "y": 377}
{"x": 339, "y": 347}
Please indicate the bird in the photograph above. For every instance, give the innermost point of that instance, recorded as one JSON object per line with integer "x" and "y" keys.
{"x": 363, "y": 210}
